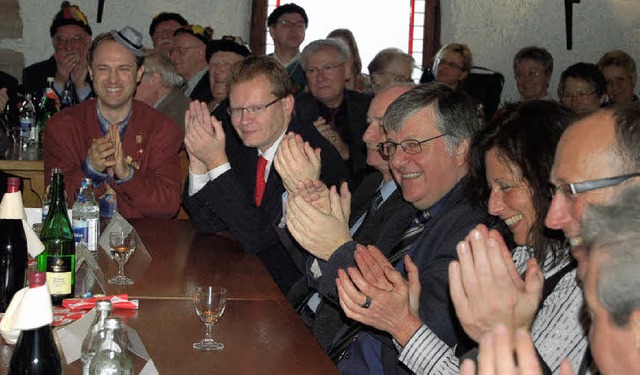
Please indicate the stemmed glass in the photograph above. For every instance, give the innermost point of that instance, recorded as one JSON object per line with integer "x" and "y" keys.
{"x": 209, "y": 302}
{"x": 121, "y": 245}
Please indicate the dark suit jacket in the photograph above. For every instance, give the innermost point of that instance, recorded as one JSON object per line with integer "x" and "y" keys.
{"x": 357, "y": 105}
{"x": 202, "y": 91}
{"x": 226, "y": 203}
{"x": 329, "y": 316}
{"x": 433, "y": 252}
{"x": 34, "y": 78}
{"x": 11, "y": 83}
{"x": 174, "y": 105}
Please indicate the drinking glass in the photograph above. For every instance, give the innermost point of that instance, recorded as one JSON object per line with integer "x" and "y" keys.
{"x": 121, "y": 246}
{"x": 209, "y": 302}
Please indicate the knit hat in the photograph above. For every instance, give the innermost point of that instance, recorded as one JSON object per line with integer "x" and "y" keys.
{"x": 204, "y": 34}
{"x": 227, "y": 43}
{"x": 69, "y": 15}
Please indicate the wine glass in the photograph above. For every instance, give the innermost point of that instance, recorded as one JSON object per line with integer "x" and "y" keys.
{"x": 209, "y": 302}
{"x": 121, "y": 245}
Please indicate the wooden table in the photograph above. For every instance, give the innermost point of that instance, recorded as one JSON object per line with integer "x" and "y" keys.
{"x": 261, "y": 332}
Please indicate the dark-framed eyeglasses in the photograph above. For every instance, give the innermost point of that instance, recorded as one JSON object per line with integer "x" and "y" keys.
{"x": 410, "y": 146}
{"x": 576, "y": 96}
{"x": 255, "y": 109}
{"x": 573, "y": 189}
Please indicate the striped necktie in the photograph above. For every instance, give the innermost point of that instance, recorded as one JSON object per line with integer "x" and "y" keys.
{"x": 410, "y": 235}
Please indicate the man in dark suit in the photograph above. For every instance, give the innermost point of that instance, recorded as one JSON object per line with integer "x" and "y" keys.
{"x": 70, "y": 36}
{"x": 240, "y": 192}
{"x": 339, "y": 114}
{"x": 429, "y": 130}
{"x": 188, "y": 56}
{"x": 376, "y": 202}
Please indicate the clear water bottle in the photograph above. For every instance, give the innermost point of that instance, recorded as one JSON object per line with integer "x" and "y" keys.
{"x": 27, "y": 120}
{"x": 91, "y": 340}
{"x": 111, "y": 352}
{"x": 85, "y": 216}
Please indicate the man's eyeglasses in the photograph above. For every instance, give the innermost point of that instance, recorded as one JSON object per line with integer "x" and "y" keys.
{"x": 181, "y": 50}
{"x": 577, "y": 96}
{"x": 572, "y": 190}
{"x": 254, "y": 109}
{"x": 410, "y": 146}
{"x": 533, "y": 74}
{"x": 450, "y": 64}
{"x": 61, "y": 41}
{"x": 291, "y": 24}
{"x": 326, "y": 69}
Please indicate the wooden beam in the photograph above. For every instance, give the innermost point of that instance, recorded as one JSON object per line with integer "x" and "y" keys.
{"x": 431, "y": 32}
{"x": 257, "y": 37}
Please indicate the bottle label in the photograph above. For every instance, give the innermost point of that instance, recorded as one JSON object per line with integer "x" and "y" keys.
{"x": 108, "y": 205}
{"x": 59, "y": 275}
{"x": 26, "y": 123}
{"x": 80, "y": 230}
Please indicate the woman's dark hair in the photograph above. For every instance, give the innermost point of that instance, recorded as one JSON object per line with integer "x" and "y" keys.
{"x": 524, "y": 135}
{"x": 587, "y": 72}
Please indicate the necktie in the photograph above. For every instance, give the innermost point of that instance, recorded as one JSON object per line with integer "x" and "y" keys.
{"x": 260, "y": 181}
{"x": 375, "y": 204}
{"x": 409, "y": 236}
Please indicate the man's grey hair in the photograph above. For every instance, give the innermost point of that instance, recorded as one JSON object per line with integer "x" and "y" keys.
{"x": 614, "y": 229}
{"x": 455, "y": 113}
{"x": 627, "y": 125}
{"x": 158, "y": 63}
{"x": 383, "y": 59}
{"x": 336, "y": 44}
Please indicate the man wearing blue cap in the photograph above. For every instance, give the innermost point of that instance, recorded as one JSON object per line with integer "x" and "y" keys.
{"x": 125, "y": 146}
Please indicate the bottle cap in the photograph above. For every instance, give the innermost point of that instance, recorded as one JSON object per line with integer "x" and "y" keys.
{"x": 36, "y": 279}
{"x": 13, "y": 184}
{"x": 50, "y": 79}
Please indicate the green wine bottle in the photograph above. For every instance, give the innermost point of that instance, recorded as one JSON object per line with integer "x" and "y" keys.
{"x": 58, "y": 259}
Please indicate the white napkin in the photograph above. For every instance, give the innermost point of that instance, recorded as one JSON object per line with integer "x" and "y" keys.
{"x": 12, "y": 208}
{"x": 30, "y": 308}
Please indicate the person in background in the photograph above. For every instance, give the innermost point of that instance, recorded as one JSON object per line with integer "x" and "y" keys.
{"x": 9, "y": 97}
{"x": 160, "y": 87}
{"x": 161, "y": 30}
{"x": 70, "y": 36}
{"x": 340, "y": 115}
{"x": 358, "y": 81}
{"x": 620, "y": 72}
{"x": 452, "y": 64}
{"x": 222, "y": 55}
{"x": 241, "y": 192}
{"x": 188, "y": 56}
{"x": 582, "y": 88}
{"x": 124, "y": 145}
{"x": 287, "y": 26}
{"x": 532, "y": 68}
{"x": 389, "y": 66}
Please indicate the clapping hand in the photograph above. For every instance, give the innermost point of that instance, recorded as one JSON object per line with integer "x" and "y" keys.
{"x": 486, "y": 288}
{"x": 204, "y": 139}
{"x": 296, "y": 161}
{"x": 320, "y": 233}
{"x": 377, "y": 295}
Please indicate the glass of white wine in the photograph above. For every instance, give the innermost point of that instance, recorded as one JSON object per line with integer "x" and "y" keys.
{"x": 121, "y": 246}
{"x": 209, "y": 302}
